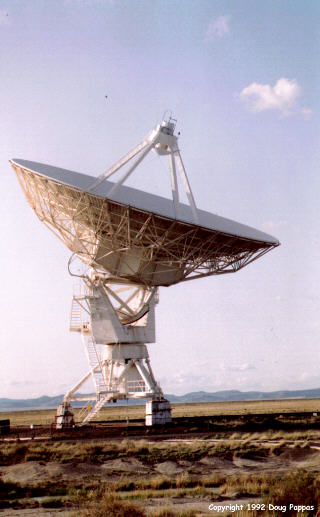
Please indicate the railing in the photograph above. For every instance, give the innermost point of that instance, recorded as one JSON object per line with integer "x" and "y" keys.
{"x": 133, "y": 386}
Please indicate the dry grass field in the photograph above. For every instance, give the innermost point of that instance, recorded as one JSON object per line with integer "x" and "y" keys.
{"x": 114, "y": 412}
{"x": 160, "y": 477}
{"x": 157, "y": 479}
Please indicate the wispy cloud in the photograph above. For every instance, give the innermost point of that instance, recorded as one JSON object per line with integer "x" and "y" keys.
{"x": 218, "y": 28}
{"x": 186, "y": 381}
{"x": 222, "y": 377}
{"x": 273, "y": 225}
{"x": 89, "y": 3}
{"x": 237, "y": 367}
{"x": 23, "y": 383}
{"x": 306, "y": 112}
{"x": 283, "y": 96}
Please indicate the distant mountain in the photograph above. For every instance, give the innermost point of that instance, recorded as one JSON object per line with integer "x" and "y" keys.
{"x": 197, "y": 396}
{"x": 234, "y": 395}
{"x": 43, "y": 402}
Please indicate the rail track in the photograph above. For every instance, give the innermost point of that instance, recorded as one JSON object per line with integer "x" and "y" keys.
{"x": 180, "y": 427}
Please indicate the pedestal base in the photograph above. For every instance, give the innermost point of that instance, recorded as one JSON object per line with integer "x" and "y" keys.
{"x": 64, "y": 416}
{"x": 158, "y": 412}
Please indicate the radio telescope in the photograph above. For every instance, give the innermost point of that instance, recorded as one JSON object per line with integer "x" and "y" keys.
{"x": 130, "y": 243}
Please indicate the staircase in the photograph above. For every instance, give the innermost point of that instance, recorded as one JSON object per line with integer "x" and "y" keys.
{"x": 76, "y": 324}
{"x": 95, "y": 364}
{"x": 96, "y": 408}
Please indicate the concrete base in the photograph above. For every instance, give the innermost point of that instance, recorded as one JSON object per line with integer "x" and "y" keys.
{"x": 64, "y": 416}
{"x": 158, "y": 412}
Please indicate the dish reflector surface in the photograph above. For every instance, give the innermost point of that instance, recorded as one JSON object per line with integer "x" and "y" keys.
{"x": 133, "y": 235}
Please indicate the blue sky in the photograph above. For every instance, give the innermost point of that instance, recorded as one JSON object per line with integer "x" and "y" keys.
{"x": 242, "y": 78}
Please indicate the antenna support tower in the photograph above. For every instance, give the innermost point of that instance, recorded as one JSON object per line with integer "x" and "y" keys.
{"x": 116, "y": 320}
{"x": 129, "y": 243}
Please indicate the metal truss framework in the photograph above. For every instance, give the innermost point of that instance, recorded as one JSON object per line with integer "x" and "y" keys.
{"x": 134, "y": 245}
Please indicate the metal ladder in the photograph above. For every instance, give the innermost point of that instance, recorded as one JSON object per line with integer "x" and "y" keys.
{"x": 96, "y": 408}
{"x": 75, "y": 316}
{"x": 95, "y": 364}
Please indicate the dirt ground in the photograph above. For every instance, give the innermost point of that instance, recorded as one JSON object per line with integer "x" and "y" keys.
{"x": 32, "y": 472}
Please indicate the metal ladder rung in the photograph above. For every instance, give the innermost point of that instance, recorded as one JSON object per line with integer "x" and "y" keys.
{"x": 76, "y": 323}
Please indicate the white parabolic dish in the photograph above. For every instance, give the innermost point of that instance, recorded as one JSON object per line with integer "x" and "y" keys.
{"x": 133, "y": 235}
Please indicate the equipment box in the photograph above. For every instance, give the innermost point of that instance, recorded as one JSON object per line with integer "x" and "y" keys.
{"x": 4, "y": 426}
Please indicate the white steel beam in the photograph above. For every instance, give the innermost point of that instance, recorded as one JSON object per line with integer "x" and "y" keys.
{"x": 131, "y": 154}
{"x": 145, "y": 375}
{"x": 133, "y": 167}
{"x": 174, "y": 184}
{"x": 187, "y": 187}
{"x": 77, "y": 386}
